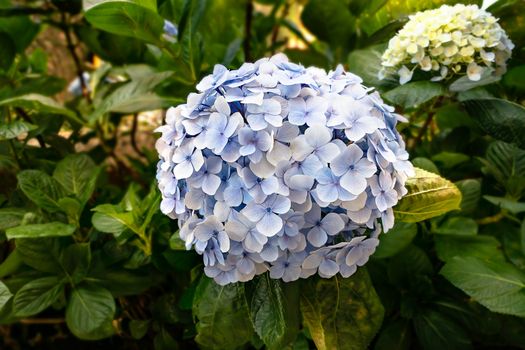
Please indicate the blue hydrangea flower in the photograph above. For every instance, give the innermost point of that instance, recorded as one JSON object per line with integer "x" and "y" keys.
{"x": 280, "y": 168}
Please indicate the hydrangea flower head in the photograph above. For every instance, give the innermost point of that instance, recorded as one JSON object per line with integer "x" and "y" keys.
{"x": 450, "y": 40}
{"x": 280, "y": 168}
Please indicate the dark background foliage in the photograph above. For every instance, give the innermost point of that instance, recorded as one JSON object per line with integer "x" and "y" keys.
{"x": 87, "y": 260}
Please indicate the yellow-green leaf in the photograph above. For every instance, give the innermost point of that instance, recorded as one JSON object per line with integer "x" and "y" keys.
{"x": 429, "y": 195}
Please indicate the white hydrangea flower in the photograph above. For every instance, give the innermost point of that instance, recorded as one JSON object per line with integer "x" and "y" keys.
{"x": 450, "y": 40}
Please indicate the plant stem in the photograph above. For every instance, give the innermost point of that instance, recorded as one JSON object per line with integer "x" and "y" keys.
{"x": 42, "y": 320}
{"x": 277, "y": 27}
{"x": 427, "y": 123}
{"x": 491, "y": 219}
{"x": 134, "y": 128}
{"x": 76, "y": 60}
{"x": 15, "y": 155}
{"x": 248, "y": 30}
{"x": 28, "y": 119}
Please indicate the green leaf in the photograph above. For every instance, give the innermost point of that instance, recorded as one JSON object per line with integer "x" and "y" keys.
{"x": 470, "y": 194}
{"x": 449, "y": 160}
{"x": 429, "y": 195}
{"x": 139, "y": 328}
{"x": 522, "y": 235}
{"x": 112, "y": 219}
{"x": 342, "y": 313}
{"x": 395, "y": 336}
{"x": 14, "y": 129}
{"x": 414, "y": 94}
{"x": 458, "y": 225}
{"x": 5, "y": 295}
{"x": 7, "y": 51}
{"x": 507, "y": 204}
{"x": 367, "y": 63}
{"x": 330, "y": 21}
{"x": 275, "y": 312}
{"x": 37, "y": 296}
{"x": 122, "y": 282}
{"x": 50, "y": 229}
{"x": 512, "y": 246}
{"x": 425, "y": 164}
{"x": 40, "y": 188}
{"x": 381, "y": 12}
{"x": 135, "y": 96}
{"x": 395, "y": 240}
{"x": 481, "y": 246}
{"x": 76, "y": 260}
{"x": 514, "y": 78}
{"x": 90, "y": 311}
{"x": 499, "y": 118}
{"x": 436, "y": 331}
{"x": 464, "y": 83}
{"x": 498, "y": 286}
{"x": 11, "y": 217}
{"x": 21, "y": 29}
{"x": 134, "y": 18}
{"x": 11, "y": 264}
{"x": 218, "y": 310}
{"x": 77, "y": 174}
{"x": 41, "y": 104}
{"x": 42, "y": 254}
{"x": 412, "y": 261}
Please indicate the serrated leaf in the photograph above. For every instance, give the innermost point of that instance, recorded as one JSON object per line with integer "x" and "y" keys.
{"x": 341, "y": 313}
{"x": 498, "y": 286}
{"x": 90, "y": 312}
{"x": 218, "y": 309}
{"x": 414, "y": 94}
{"x": 429, "y": 195}
{"x": 41, "y": 188}
{"x": 275, "y": 312}
{"x": 50, "y": 229}
{"x": 499, "y": 118}
{"x": 482, "y": 246}
{"x": 37, "y": 296}
{"x": 14, "y": 129}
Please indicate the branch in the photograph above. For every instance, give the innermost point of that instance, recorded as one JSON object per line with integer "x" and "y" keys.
{"x": 427, "y": 123}
{"x": 134, "y": 128}
{"x": 248, "y": 30}
{"x": 24, "y": 11}
{"x": 277, "y": 27}
{"x": 78, "y": 65}
{"x": 28, "y": 119}
{"x": 42, "y": 320}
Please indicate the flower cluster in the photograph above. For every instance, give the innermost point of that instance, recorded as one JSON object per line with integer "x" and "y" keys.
{"x": 283, "y": 168}
{"x": 446, "y": 41}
